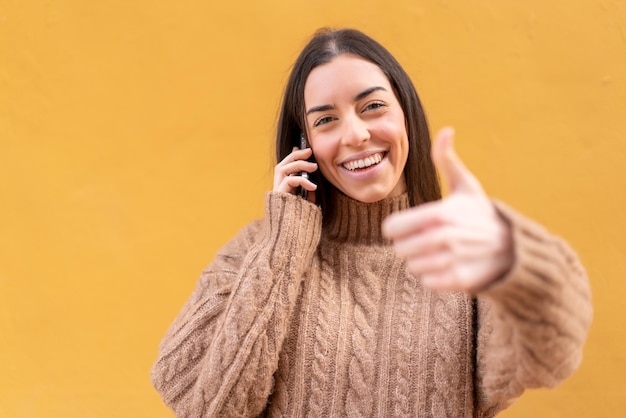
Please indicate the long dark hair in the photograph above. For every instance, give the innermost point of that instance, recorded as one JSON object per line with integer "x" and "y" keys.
{"x": 326, "y": 44}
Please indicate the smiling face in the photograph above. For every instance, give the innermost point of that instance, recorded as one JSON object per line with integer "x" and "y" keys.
{"x": 356, "y": 128}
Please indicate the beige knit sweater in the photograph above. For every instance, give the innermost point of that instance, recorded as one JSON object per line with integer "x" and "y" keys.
{"x": 292, "y": 319}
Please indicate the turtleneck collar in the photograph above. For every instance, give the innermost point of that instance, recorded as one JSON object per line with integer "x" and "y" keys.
{"x": 360, "y": 223}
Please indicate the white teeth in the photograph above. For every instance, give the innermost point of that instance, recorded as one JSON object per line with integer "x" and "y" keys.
{"x": 366, "y": 162}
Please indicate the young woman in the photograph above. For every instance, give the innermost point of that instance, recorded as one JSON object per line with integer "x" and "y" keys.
{"x": 373, "y": 297}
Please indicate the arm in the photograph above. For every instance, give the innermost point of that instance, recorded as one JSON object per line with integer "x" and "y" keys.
{"x": 220, "y": 354}
{"x": 534, "y": 321}
{"x": 534, "y": 305}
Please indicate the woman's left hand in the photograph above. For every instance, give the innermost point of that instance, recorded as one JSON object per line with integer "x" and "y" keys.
{"x": 459, "y": 242}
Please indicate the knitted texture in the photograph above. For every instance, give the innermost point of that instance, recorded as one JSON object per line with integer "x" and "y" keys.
{"x": 293, "y": 318}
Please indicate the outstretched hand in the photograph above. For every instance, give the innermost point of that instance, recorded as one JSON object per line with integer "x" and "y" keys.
{"x": 459, "y": 242}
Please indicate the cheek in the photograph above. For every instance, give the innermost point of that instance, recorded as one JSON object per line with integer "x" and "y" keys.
{"x": 322, "y": 151}
{"x": 324, "y": 155}
{"x": 324, "y": 162}
{"x": 404, "y": 153}
{"x": 395, "y": 132}
{"x": 392, "y": 126}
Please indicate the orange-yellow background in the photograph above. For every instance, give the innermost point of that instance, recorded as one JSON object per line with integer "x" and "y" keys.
{"x": 136, "y": 138}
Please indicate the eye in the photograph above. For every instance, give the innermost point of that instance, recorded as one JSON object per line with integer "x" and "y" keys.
{"x": 322, "y": 121}
{"x": 374, "y": 106}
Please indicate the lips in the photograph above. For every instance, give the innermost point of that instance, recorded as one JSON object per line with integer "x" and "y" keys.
{"x": 362, "y": 163}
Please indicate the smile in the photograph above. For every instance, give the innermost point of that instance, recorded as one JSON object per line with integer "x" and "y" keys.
{"x": 364, "y": 163}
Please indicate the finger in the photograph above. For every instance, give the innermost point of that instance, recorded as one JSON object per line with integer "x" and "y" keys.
{"x": 461, "y": 241}
{"x": 289, "y": 184}
{"x": 292, "y": 170}
{"x": 414, "y": 220}
{"x": 456, "y": 174}
{"x": 465, "y": 244}
{"x": 429, "y": 241}
{"x": 440, "y": 280}
{"x": 297, "y": 154}
{"x": 296, "y": 167}
{"x": 293, "y": 163}
{"x": 468, "y": 277}
{"x": 433, "y": 263}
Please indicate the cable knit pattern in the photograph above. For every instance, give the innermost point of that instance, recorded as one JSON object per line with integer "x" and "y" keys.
{"x": 322, "y": 345}
{"x": 366, "y": 293}
{"x": 280, "y": 400}
{"x": 450, "y": 312}
{"x": 408, "y": 302}
{"x": 256, "y": 306}
{"x": 293, "y": 318}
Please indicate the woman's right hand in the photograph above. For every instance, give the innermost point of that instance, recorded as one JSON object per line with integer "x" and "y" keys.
{"x": 287, "y": 176}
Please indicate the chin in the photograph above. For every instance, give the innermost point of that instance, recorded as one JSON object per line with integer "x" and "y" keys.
{"x": 368, "y": 197}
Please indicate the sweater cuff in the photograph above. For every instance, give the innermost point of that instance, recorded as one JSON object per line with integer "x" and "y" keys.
{"x": 544, "y": 270}
{"x": 295, "y": 225}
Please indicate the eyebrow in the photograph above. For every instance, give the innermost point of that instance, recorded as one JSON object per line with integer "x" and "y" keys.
{"x": 358, "y": 97}
{"x": 367, "y": 92}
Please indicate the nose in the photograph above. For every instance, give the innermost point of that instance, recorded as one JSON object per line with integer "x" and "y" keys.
{"x": 355, "y": 131}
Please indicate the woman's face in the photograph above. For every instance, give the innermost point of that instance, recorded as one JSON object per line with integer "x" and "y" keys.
{"x": 356, "y": 128}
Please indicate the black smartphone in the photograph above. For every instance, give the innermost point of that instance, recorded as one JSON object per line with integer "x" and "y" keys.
{"x": 304, "y": 193}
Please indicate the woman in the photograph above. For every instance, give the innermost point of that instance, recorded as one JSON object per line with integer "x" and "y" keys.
{"x": 373, "y": 297}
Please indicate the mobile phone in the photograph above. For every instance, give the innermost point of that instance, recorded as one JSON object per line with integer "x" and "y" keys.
{"x": 304, "y": 193}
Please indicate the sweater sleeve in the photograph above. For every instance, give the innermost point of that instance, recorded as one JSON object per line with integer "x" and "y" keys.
{"x": 532, "y": 323}
{"x": 219, "y": 355}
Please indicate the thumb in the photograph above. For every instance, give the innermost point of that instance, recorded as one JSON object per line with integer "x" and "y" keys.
{"x": 456, "y": 175}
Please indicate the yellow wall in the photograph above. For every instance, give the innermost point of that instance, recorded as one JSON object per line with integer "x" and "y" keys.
{"x": 136, "y": 138}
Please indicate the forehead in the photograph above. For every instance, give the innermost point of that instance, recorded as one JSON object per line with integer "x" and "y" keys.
{"x": 345, "y": 74}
